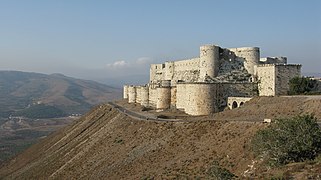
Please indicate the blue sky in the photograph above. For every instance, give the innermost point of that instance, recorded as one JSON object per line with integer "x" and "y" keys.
{"x": 103, "y": 40}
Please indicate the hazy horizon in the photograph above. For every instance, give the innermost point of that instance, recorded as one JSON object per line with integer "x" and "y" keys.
{"x": 118, "y": 40}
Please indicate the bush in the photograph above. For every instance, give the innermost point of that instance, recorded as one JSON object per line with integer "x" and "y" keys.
{"x": 289, "y": 140}
{"x": 217, "y": 172}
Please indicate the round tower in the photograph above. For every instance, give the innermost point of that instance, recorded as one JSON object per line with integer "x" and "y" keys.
{"x": 251, "y": 59}
{"x": 144, "y": 91}
{"x": 163, "y": 98}
{"x": 125, "y": 92}
{"x": 138, "y": 94}
{"x": 201, "y": 99}
{"x": 251, "y": 56}
{"x": 131, "y": 94}
{"x": 209, "y": 61}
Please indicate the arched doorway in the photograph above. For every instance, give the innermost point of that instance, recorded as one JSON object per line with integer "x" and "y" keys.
{"x": 234, "y": 105}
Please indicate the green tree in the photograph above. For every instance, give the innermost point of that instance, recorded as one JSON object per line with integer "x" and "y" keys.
{"x": 289, "y": 140}
{"x": 302, "y": 85}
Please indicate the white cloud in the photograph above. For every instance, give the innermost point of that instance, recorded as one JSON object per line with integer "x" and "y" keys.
{"x": 118, "y": 64}
{"x": 144, "y": 60}
{"x": 138, "y": 64}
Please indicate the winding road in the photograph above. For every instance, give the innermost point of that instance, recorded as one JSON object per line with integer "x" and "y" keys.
{"x": 138, "y": 116}
{"x": 152, "y": 117}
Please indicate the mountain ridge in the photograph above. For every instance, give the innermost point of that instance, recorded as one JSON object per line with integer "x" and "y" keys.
{"x": 18, "y": 90}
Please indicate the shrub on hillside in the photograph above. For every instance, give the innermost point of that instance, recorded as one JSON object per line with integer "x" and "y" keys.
{"x": 217, "y": 172}
{"x": 289, "y": 140}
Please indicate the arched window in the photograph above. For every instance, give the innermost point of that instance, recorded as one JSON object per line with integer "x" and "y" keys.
{"x": 234, "y": 105}
{"x": 241, "y": 104}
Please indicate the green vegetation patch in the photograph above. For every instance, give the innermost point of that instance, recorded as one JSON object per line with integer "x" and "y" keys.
{"x": 218, "y": 172}
{"x": 289, "y": 140}
{"x": 41, "y": 111}
{"x": 303, "y": 85}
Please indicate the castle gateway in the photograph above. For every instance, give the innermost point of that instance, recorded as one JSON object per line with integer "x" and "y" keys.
{"x": 202, "y": 85}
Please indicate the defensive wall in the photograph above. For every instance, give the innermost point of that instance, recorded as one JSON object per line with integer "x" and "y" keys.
{"x": 218, "y": 78}
{"x": 194, "y": 98}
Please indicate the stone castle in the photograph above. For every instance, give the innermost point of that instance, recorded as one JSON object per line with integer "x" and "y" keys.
{"x": 218, "y": 78}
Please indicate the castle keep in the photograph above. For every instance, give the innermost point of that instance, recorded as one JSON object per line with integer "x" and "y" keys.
{"x": 219, "y": 77}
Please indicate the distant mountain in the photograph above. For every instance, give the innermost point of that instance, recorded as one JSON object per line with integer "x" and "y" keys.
{"x": 311, "y": 74}
{"x": 26, "y": 93}
{"x": 120, "y": 81}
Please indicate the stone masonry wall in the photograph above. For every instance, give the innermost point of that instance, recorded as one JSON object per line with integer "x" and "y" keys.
{"x": 144, "y": 92}
{"x": 156, "y": 72}
{"x": 138, "y": 94}
{"x": 152, "y": 97}
{"x": 163, "y": 98}
{"x": 274, "y": 78}
{"x": 234, "y": 102}
{"x": 197, "y": 98}
{"x": 251, "y": 56}
{"x": 173, "y": 96}
{"x": 266, "y": 78}
{"x": 125, "y": 91}
{"x": 132, "y": 94}
{"x": 186, "y": 70}
{"x": 283, "y": 75}
{"x": 206, "y": 98}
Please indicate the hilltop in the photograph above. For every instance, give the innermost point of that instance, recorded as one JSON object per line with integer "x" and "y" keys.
{"x": 107, "y": 143}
